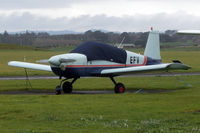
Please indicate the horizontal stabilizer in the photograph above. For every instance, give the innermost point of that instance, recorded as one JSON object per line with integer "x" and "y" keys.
{"x": 30, "y": 65}
{"x": 178, "y": 66}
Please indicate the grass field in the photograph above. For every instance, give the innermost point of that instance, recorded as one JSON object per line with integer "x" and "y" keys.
{"x": 177, "y": 111}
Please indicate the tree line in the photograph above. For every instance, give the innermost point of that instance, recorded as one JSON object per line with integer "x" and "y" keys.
{"x": 44, "y": 39}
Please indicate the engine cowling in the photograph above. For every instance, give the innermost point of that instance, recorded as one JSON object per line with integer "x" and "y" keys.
{"x": 71, "y": 59}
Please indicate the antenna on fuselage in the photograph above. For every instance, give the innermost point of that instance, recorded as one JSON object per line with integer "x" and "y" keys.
{"x": 120, "y": 45}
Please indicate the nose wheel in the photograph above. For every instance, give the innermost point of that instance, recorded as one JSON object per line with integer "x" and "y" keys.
{"x": 119, "y": 87}
{"x": 58, "y": 90}
{"x": 67, "y": 86}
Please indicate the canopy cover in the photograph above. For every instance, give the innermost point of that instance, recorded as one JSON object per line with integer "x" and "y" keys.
{"x": 101, "y": 51}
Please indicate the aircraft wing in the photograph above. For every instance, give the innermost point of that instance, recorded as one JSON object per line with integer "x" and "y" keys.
{"x": 192, "y": 32}
{"x": 30, "y": 65}
{"x": 131, "y": 70}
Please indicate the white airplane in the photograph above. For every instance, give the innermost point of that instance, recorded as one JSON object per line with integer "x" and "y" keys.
{"x": 189, "y": 32}
{"x": 93, "y": 59}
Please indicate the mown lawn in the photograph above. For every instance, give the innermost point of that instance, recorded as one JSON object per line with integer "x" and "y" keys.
{"x": 169, "y": 112}
{"x": 172, "y": 112}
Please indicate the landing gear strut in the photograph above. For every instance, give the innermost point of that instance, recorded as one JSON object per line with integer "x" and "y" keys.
{"x": 66, "y": 86}
{"x": 119, "y": 87}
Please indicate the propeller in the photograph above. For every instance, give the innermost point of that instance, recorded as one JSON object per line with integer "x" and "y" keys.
{"x": 57, "y": 60}
{"x": 43, "y": 61}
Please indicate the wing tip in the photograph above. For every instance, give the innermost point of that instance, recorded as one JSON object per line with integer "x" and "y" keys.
{"x": 30, "y": 65}
{"x": 10, "y": 63}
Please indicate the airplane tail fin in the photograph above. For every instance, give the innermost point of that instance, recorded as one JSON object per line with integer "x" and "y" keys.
{"x": 152, "y": 49}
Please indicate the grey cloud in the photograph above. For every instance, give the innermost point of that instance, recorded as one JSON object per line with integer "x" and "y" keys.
{"x": 27, "y": 4}
{"x": 138, "y": 22}
{"x": 40, "y": 4}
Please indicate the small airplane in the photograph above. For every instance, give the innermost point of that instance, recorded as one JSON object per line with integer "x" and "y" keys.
{"x": 94, "y": 59}
{"x": 189, "y": 32}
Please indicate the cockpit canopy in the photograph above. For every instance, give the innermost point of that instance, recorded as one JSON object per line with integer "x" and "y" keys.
{"x": 101, "y": 51}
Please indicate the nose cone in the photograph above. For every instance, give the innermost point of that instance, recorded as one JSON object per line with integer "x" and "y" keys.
{"x": 54, "y": 60}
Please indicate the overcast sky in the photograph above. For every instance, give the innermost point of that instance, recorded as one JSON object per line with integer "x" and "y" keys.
{"x": 111, "y": 15}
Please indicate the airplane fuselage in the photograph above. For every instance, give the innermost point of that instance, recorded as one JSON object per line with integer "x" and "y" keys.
{"x": 81, "y": 67}
{"x": 102, "y": 60}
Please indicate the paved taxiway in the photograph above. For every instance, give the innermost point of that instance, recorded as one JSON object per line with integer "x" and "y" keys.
{"x": 51, "y": 92}
{"x": 133, "y": 75}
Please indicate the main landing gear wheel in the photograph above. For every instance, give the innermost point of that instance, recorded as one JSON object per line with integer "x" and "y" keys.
{"x": 119, "y": 88}
{"x": 67, "y": 87}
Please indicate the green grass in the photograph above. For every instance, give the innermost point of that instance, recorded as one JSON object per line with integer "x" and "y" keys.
{"x": 171, "y": 44}
{"x": 175, "y": 44}
{"x": 177, "y": 111}
{"x": 15, "y": 47}
{"x": 170, "y": 112}
{"x": 63, "y": 48}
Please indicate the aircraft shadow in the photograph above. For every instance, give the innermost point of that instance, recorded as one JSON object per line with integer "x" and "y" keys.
{"x": 50, "y": 92}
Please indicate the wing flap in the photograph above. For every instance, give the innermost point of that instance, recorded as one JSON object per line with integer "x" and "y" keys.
{"x": 30, "y": 65}
{"x": 130, "y": 70}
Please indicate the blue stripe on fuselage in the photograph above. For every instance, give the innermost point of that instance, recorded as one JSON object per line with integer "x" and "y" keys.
{"x": 72, "y": 72}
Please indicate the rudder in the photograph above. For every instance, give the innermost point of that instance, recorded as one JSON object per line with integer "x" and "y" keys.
{"x": 152, "y": 49}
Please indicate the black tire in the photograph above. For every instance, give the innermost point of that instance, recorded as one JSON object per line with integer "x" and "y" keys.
{"x": 58, "y": 90}
{"x": 119, "y": 88}
{"x": 67, "y": 87}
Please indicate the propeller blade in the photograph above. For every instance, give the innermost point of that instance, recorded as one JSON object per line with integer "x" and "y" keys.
{"x": 43, "y": 61}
